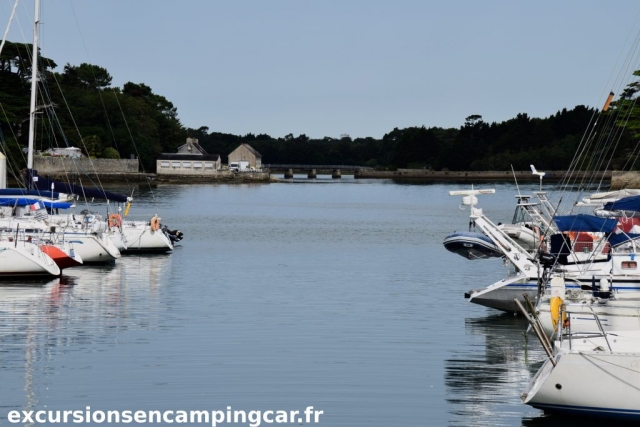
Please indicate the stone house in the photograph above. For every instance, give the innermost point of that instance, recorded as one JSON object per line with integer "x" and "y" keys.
{"x": 246, "y": 153}
{"x": 74, "y": 152}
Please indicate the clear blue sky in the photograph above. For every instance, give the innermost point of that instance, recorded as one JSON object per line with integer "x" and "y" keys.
{"x": 328, "y": 67}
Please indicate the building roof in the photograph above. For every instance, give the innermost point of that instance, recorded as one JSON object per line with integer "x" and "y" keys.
{"x": 194, "y": 143}
{"x": 250, "y": 148}
{"x": 173, "y": 156}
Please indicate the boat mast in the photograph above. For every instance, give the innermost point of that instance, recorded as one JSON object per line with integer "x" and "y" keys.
{"x": 34, "y": 88}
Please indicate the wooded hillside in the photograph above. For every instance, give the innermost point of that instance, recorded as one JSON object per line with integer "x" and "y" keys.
{"x": 79, "y": 107}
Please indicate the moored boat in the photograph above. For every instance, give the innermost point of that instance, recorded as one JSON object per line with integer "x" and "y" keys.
{"x": 593, "y": 374}
{"x": 62, "y": 254}
{"x": 471, "y": 245}
{"x": 20, "y": 258}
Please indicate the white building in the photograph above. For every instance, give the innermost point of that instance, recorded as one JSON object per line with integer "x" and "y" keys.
{"x": 74, "y": 152}
{"x": 191, "y": 159}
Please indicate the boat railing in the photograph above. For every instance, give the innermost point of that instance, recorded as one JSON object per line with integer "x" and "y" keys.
{"x": 536, "y": 325}
{"x": 565, "y": 328}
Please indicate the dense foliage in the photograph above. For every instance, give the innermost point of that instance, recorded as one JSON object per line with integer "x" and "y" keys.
{"x": 79, "y": 107}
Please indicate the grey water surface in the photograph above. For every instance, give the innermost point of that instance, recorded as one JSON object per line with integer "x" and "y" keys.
{"x": 336, "y": 294}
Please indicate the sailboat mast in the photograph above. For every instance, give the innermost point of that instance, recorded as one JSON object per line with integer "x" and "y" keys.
{"x": 34, "y": 87}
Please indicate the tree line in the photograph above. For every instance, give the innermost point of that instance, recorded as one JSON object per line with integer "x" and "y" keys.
{"x": 79, "y": 107}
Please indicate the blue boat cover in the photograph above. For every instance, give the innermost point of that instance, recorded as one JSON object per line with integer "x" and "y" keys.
{"x": 24, "y": 192}
{"x": 584, "y": 222}
{"x": 86, "y": 192}
{"x": 22, "y": 201}
{"x": 620, "y": 238}
{"x": 625, "y": 204}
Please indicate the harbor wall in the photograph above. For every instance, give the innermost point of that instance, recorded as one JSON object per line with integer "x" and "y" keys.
{"x": 56, "y": 165}
{"x": 470, "y": 176}
{"x": 621, "y": 180}
{"x": 218, "y": 176}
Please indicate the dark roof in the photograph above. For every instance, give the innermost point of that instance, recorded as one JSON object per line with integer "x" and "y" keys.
{"x": 194, "y": 157}
{"x": 196, "y": 145}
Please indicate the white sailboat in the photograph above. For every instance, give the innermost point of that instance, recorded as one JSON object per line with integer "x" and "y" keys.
{"x": 581, "y": 262}
{"x": 590, "y": 374}
{"x": 21, "y": 258}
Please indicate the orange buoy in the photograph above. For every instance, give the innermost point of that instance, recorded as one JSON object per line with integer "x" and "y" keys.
{"x": 115, "y": 220}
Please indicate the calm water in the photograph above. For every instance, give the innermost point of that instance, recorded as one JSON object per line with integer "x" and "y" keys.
{"x": 335, "y": 294}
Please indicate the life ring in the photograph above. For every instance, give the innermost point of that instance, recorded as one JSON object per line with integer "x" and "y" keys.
{"x": 155, "y": 224}
{"x": 115, "y": 220}
{"x": 554, "y": 305}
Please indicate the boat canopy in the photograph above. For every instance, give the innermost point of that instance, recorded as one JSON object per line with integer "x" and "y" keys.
{"x": 582, "y": 222}
{"x": 24, "y": 192}
{"x": 616, "y": 239}
{"x": 24, "y": 201}
{"x": 618, "y": 194}
{"x": 626, "y": 204}
{"x": 86, "y": 192}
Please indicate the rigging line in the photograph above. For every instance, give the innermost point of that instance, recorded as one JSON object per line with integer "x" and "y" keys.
{"x": 598, "y": 155}
{"x": 44, "y": 90}
{"x": 565, "y": 182}
{"x": 587, "y": 136}
{"x": 6, "y": 32}
{"x": 14, "y": 170}
{"x": 54, "y": 119}
{"x": 579, "y": 159}
{"x": 619, "y": 138}
{"x": 153, "y": 195}
{"x": 600, "y": 148}
{"x": 590, "y": 356}
{"x": 78, "y": 131}
{"x": 15, "y": 138}
{"x": 119, "y": 106}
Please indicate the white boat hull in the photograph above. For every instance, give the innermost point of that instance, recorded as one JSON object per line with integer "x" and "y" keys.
{"x": 500, "y": 295}
{"x": 588, "y": 383}
{"x": 25, "y": 260}
{"x": 93, "y": 249}
{"x": 139, "y": 237}
{"x": 522, "y": 235}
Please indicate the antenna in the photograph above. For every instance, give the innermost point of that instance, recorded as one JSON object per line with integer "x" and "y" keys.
{"x": 469, "y": 196}
{"x": 540, "y": 174}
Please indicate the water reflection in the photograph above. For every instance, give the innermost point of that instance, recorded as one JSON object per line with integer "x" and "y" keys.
{"x": 86, "y": 308}
{"x": 485, "y": 379}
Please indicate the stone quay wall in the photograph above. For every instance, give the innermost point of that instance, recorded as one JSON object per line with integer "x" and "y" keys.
{"x": 61, "y": 165}
{"x": 466, "y": 176}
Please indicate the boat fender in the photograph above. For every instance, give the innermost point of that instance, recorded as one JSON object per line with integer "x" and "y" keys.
{"x": 555, "y": 303}
{"x": 604, "y": 288}
{"x": 155, "y": 223}
{"x": 115, "y": 220}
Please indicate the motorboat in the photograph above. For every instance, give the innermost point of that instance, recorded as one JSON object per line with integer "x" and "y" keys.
{"x": 142, "y": 236}
{"x": 527, "y": 235}
{"x": 471, "y": 245}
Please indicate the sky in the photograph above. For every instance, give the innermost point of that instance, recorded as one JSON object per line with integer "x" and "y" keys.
{"x": 333, "y": 67}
